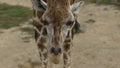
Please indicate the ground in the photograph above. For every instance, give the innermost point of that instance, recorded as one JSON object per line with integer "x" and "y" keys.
{"x": 97, "y": 47}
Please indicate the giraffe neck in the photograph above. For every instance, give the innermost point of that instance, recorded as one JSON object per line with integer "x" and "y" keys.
{"x": 38, "y": 26}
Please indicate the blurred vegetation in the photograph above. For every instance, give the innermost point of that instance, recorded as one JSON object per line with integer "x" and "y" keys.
{"x": 11, "y": 16}
{"x": 29, "y": 31}
{"x": 1, "y": 32}
{"x": 29, "y": 64}
{"x": 105, "y": 2}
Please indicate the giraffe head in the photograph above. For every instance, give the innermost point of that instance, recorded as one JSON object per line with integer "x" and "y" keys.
{"x": 58, "y": 20}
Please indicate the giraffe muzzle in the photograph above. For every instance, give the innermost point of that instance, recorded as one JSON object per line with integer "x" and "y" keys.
{"x": 56, "y": 51}
{"x": 55, "y": 55}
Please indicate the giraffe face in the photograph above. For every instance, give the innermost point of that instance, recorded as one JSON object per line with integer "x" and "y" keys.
{"x": 58, "y": 22}
{"x": 57, "y": 28}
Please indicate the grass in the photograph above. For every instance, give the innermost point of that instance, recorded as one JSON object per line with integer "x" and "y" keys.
{"x": 26, "y": 39}
{"x": 11, "y": 16}
{"x": 29, "y": 64}
{"x": 104, "y": 2}
{"x": 29, "y": 31}
{"x": 118, "y": 6}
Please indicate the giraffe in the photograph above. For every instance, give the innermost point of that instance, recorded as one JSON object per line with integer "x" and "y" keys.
{"x": 54, "y": 24}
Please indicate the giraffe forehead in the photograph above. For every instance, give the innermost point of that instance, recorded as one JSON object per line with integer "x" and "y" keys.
{"x": 54, "y": 3}
{"x": 58, "y": 16}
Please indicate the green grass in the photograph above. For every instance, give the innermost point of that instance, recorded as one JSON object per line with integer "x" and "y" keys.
{"x": 118, "y": 6}
{"x": 11, "y": 16}
{"x": 105, "y": 1}
{"x": 89, "y": 1}
{"x": 102, "y": 1}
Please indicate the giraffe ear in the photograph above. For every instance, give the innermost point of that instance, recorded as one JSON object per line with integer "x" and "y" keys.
{"x": 39, "y": 5}
{"x": 76, "y": 7}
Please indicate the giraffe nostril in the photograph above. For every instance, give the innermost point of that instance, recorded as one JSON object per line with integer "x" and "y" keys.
{"x": 59, "y": 50}
{"x": 52, "y": 50}
{"x": 56, "y": 51}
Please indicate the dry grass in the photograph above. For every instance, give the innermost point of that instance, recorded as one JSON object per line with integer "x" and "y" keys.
{"x": 29, "y": 64}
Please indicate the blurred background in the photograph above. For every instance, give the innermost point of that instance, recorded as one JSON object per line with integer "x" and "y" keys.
{"x": 97, "y": 46}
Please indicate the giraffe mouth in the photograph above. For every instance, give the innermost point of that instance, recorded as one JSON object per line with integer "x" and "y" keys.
{"x": 55, "y": 58}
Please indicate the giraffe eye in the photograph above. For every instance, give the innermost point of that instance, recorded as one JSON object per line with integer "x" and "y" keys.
{"x": 45, "y": 22}
{"x": 69, "y": 23}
